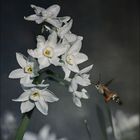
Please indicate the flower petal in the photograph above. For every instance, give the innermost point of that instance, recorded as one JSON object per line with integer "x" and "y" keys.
{"x": 74, "y": 68}
{"x": 26, "y": 106}
{"x": 42, "y": 106}
{"x": 71, "y": 37}
{"x": 55, "y": 61}
{"x": 66, "y": 71}
{"x": 23, "y": 97}
{"x": 65, "y": 29}
{"x": 18, "y": 73}
{"x": 59, "y": 50}
{"x": 37, "y": 9}
{"x": 49, "y": 96}
{"x": 44, "y": 62}
{"x": 77, "y": 101}
{"x": 56, "y": 23}
{"x": 51, "y": 11}
{"x": 31, "y": 17}
{"x": 86, "y": 70}
{"x": 40, "y": 41}
{"x": 76, "y": 46}
{"x": 21, "y": 59}
{"x": 52, "y": 37}
{"x": 64, "y": 19}
{"x": 80, "y": 58}
{"x": 26, "y": 80}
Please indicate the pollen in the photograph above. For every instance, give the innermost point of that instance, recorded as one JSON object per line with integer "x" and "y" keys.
{"x": 28, "y": 69}
{"x": 48, "y": 52}
{"x": 69, "y": 59}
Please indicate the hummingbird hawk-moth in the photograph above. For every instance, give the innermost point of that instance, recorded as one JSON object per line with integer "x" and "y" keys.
{"x": 108, "y": 94}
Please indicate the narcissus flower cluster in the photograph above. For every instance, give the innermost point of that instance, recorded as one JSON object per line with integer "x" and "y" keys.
{"x": 60, "y": 48}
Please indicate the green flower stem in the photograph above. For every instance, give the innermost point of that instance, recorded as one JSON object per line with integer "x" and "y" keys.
{"x": 23, "y": 125}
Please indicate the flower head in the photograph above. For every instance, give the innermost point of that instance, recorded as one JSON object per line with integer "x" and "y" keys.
{"x": 77, "y": 95}
{"x": 29, "y": 69}
{"x": 48, "y": 15}
{"x": 73, "y": 57}
{"x": 47, "y": 52}
{"x": 36, "y": 96}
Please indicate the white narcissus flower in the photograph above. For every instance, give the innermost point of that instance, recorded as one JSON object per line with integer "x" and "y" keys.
{"x": 65, "y": 33}
{"x": 77, "y": 95}
{"x": 81, "y": 78}
{"x": 44, "y": 134}
{"x": 47, "y": 52}
{"x": 36, "y": 97}
{"x": 48, "y": 15}
{"x": 29, "y": 69}
{"x": 73, "y": 57}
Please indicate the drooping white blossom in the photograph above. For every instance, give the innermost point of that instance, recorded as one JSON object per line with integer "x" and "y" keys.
{"x": 47, "y": 51}
{"x": 81, "y": 78}
{"x": 36, "y": 96}
{"x": 78, "y": 95}
{"x": 44, "y": 134}
{"x": 48, "y": 15}
{"x": 65, "y": 33}
{"x": 73, "y": 57}
{"x": 29, "y": 69}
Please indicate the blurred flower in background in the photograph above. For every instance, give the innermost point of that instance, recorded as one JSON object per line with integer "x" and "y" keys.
{"x": 44, "y": 134}
{"x": 125, "y": 126}
{"x": 8, "y": 125}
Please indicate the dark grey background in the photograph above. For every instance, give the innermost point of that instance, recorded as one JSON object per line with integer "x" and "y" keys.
{"x": 111, "y": 40}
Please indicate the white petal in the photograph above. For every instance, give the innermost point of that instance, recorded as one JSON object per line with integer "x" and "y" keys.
{"x": 64, "y": 19}
{"x": 21, "y": 59}
{"x": 59, "y": 50}
{"x": 71, "y": 37}
{"x": 36, "y": 53}
{"x": 74, "y": 68}
{"x": 51, "y": 11}
{"x": 18, "y": 73}
{"x": 55, "y": 61}
{"x": 80, "y": 58}
{"x": 29, "y": 136}
{"x": 44, "y": 133}
{"x": 26, "y": 80}
{"x": 23, "y": 97}
{"x": 77, "y": 101}
{"x": 65, "y": 29}
{"x": 74, "y": 85}
{"x": 84, "y": 95}
{"x": 26, "y": 106}
{"x": 52, "y": 37}
{"x": 66, "y": 71}
{"x": 40, "y": 41}
{"x": 76, "y": 47}
{"x": 44, "y": 62}
{"x": 31, "y": 17}
{"x": 54, "y": 22}
{"x": 37, "y": 9}
{"x": 49, "y": 96}
{"x": 86, "y": 70}
{"x": 42, "y": 106}
{"x": 81, "y": 81}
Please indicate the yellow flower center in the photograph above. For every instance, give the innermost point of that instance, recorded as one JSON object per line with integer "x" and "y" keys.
{"x": 28, "y": 69}
{"x": 69, "y": 59}
{"x": 48, "y": 52}
{"x": 36, "y": 94}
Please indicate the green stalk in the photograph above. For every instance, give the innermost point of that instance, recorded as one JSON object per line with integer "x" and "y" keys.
{"x": 23, "y": 125}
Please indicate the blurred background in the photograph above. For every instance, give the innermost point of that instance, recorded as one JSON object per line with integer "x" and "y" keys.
{"x": 111, "y": 40}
